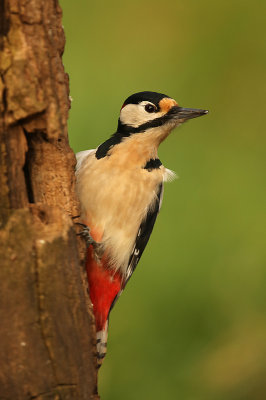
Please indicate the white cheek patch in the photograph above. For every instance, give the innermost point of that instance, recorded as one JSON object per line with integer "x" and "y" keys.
{"x": 135, "y": 114}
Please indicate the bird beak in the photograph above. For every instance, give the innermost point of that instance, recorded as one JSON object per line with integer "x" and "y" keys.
{"x": 186, "y": 113}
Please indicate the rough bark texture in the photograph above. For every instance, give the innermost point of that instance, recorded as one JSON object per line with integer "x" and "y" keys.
{"x": 47, "y": 338}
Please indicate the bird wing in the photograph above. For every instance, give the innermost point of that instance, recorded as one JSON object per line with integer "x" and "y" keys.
{"x": 81, "y": 156}
{"x": 144, "y": 233}
{"x": 142, "y": 239}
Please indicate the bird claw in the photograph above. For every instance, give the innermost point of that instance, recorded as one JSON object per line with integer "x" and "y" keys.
{"x": 85, "y": 234}
{"x": 97, "y": 247}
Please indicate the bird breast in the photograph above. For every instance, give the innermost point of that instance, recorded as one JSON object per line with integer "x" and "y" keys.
{"x": 114, "y": 201}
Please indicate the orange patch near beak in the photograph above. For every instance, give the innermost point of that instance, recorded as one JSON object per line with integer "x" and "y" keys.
{"x": 166, "y": 103}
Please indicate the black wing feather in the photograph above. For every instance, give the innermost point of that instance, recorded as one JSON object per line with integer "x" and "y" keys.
{"x": 144, "y": 234}
{"x": 142, "y": 238}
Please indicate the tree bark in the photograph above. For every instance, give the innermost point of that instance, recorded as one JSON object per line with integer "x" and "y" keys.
{"x": 47, "y": 335}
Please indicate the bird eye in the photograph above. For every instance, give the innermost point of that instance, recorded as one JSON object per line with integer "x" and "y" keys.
{"x": 150, "y": 108}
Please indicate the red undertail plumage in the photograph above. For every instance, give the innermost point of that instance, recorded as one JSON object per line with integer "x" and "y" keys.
{"x": 104, "y": 286}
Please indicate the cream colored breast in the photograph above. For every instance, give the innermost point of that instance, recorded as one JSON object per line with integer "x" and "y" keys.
{"x": 114, "y": 202}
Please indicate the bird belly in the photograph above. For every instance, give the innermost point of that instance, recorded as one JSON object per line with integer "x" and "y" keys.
{"x": 114, "y": 204}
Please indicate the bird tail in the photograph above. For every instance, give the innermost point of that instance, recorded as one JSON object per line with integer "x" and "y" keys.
{"x": 101, "y": 344}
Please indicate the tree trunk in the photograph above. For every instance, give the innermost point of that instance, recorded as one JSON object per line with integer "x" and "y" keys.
{"x": 47, "y": 336}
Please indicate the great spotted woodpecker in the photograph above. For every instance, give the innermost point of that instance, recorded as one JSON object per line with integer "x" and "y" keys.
{"x": 120, "y": 188}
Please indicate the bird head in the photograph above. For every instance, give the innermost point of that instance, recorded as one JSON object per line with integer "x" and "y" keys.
{"x": 146, "y": 119}
{"x": 145, "y": 111}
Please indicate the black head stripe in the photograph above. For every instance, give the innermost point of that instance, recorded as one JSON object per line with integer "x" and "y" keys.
{"x": 127, "y": 130}
{"x": 116, "y": 138}
{"x": 153, "y": 97}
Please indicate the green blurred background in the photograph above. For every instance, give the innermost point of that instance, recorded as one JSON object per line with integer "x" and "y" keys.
{"x": 191, "y": 324}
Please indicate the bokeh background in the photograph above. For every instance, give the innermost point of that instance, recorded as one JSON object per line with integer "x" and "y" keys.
{"x": 191, "y": 324}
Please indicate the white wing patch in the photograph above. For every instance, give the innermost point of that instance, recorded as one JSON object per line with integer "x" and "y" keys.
{"x": 81, "y": 156}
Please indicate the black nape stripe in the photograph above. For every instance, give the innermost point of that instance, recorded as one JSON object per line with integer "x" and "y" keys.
{"x": 103, "y": 149}
{"x": 153, "y": 164}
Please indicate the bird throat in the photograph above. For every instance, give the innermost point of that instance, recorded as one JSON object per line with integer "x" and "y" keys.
{"x": 145, "y": 143}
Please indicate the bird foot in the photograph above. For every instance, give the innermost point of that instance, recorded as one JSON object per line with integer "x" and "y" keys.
{"x": 97, "y": 247}
{"x": 85, "y": 234}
